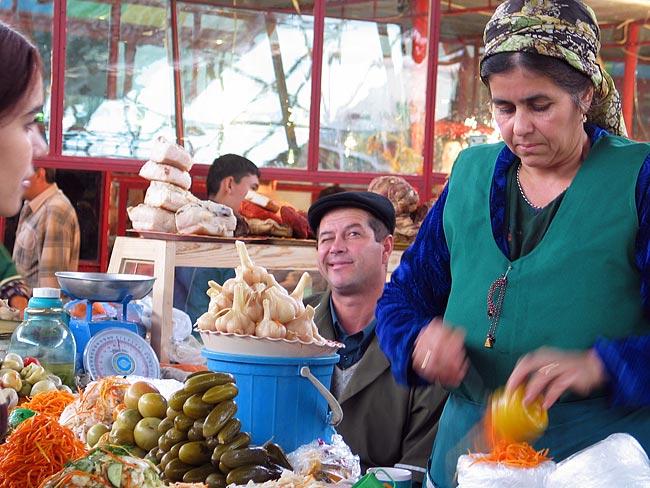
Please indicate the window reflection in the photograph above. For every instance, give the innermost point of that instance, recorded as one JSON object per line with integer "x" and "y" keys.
{"x": 246, "y": 83}
{"x": 463, "y": 114}
{"x": 118, "y": 80}
{"x": 34, "y": 19}
{"x": 374, "y": 87}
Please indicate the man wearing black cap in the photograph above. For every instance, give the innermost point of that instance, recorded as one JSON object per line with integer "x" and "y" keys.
{"x": 384, "y": 423}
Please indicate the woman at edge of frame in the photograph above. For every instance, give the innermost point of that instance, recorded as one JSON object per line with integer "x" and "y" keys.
{"x": 533, "y": 267}
{"x": 21, "y": 116}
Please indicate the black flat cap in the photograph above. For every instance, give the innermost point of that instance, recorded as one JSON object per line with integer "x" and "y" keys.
{"x": 373, "y": 203}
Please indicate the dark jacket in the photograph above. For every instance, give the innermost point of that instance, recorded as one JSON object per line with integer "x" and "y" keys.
{"x": 384, "y": 423}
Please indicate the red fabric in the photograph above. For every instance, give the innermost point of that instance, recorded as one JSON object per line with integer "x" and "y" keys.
{"x": 253, "y": 211}
{"x": 297, "y": 222}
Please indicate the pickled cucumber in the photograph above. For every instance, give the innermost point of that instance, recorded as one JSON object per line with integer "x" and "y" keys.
{"x": 218, "y": 417}
{"x": 195, "y": 453}
{"x": 196, "y": 408}
{"x": 204, "y": 382}
{"x": 220, "y": 393}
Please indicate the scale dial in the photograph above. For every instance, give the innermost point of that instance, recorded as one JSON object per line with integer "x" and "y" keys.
{"x": 120, "y": 352}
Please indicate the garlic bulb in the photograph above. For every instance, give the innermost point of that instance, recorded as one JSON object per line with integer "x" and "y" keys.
{"x": 206, "y": 321}
{"x": 282, "y": 307}
{"x": 251, "y": 273}
{"x": 228, "y": 287}
{"x": 301, "y": 326}
{"x": 220, "y": 321}
{"x": 218, "y": 299}
{"x": 254, "y": 307}
{"x": 269, "y": 327}
{"x": 235, "y": 320}
{"x": 299, "y": 291}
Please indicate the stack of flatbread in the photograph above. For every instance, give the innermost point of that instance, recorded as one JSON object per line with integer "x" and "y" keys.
{"x": 169, "y": 206}
{"x": 168, "y": 171}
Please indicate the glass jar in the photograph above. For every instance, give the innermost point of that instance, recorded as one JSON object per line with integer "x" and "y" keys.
{"x": 44, "y": 336}
{"x": 510, "y": 420}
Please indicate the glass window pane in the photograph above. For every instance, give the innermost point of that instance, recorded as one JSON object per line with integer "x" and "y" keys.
{"x": 246, "y": 82}
{"x": 374, "y": 86}
{"x": 34, "y": 19}
{"x": 463, "y": 115}
{"x": 118, "y": 80}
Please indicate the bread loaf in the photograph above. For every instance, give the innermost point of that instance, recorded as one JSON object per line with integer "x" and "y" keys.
{"x": 169, "y": 174}
{"x": 172, "y": 154}
{"x": 205, "y": 217}
{"x": 401, "y": 194}
{"x": 144, "y": 217}
{"x": 167, "y": 196}
{"x": 269, "y": 227}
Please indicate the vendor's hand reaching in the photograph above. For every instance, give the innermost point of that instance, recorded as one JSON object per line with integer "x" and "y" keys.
{"x": 552, "y": 372}
{"x": 439, "y": 354}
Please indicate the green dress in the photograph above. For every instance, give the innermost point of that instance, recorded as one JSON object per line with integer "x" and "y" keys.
{"x": 576, "y": 283}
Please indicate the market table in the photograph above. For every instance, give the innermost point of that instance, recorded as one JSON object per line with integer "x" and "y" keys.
{"x": 166, "y": 251}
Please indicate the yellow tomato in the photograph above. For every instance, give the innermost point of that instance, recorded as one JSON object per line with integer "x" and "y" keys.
{"x": 509, "y": 419}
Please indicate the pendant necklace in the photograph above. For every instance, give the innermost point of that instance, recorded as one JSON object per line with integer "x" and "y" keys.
{"x": 496, "y": 294}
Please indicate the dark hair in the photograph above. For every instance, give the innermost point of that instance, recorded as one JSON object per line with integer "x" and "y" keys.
{"x": 330, "y": 190}
{"x": 229, "y": 165}
{"x": 19, "y": 63}
{"x": 50, "y": 175}
{"x": 563, "y": 75}
{"x": 379, "y": 228}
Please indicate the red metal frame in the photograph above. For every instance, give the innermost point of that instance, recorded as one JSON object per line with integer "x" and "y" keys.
{"x": 316, "y": 75}
{"x": 429, "y": 114}
{"x": 178, "y": 80}
{"x": 629, "y": 78}
{"x": 57, "y": 94}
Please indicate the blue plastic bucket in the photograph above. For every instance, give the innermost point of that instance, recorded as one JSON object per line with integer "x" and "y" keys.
{"x": 274, "y": 401}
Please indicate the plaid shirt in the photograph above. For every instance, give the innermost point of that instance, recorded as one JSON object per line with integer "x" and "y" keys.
{"x": 47, "y": 238}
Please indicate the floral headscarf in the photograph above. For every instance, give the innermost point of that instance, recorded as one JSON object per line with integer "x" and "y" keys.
{"x": 563, "y": 29}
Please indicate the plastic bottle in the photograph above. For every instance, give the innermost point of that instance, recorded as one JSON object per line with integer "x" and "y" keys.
{"x": 47, "y": 298}
{"x": 44, "y": 335}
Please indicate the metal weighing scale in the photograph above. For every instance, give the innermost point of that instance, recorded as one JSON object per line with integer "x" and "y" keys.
{"x": 110, "y": 347}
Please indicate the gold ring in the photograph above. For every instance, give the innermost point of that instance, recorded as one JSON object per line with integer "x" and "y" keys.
{"x": 546, "y": 370}
{"x": 425, "y": 361}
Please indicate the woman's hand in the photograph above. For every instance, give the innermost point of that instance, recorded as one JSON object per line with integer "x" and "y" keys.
{"x": 439, "y": 354}
{"x": 551, "y": 372}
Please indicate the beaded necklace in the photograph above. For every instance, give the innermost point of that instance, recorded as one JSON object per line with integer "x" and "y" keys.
{"x": 521, "y": 191}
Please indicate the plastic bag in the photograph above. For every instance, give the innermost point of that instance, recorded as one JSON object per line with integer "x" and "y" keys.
{"x": 181, "y": 322}
{"x": 331, "y": 463}
{"x": 618, "y": 460}
{"x": 105, "y": 311}
{"x": 187, "y": 351}
{"x": 490, "y": 475}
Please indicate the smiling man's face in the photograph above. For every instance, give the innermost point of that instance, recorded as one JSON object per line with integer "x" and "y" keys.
{"x": 349, "y": 256}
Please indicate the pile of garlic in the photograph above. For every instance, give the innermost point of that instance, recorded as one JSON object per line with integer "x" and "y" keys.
{"x": 254, "y": 303}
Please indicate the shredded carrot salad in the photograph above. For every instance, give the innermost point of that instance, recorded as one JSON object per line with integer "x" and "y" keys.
{"x": 110, "y": 391}
{"x": 51, "y": 403}
{"x": 38, "y": 448}
{"x": 514, "y": 454}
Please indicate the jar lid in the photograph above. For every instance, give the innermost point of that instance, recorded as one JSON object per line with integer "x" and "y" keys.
{"x": 46, "y": 293}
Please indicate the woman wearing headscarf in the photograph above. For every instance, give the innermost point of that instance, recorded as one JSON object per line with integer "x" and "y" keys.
{"x": 21, "y": 105}
{"x": 533, "y": 267}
